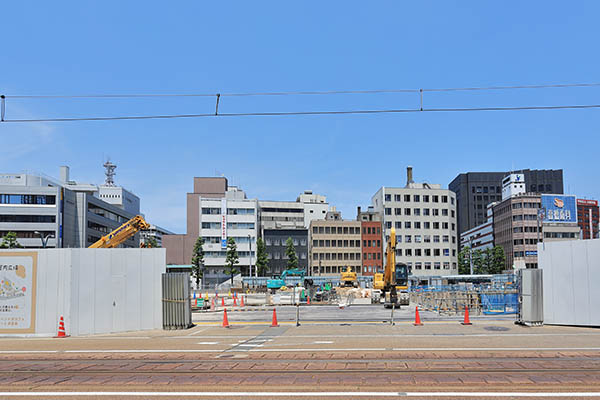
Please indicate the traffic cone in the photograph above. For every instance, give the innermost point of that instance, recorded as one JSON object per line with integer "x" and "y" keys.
{"x": 222, "y": 301}
{"x": 242, "y": 299}
{"x": 417, "y": 318}
{"x": 466, "y": 321}
{"x": 274, "y": 324}
{"x": 235, "y": 301}
{"x": 61, "y": 329}
{"x": 225, "y": 320}
{"x": 308, "y": 300}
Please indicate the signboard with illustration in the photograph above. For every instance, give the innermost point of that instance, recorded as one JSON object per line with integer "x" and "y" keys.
{"x": 559, "y": 208}
{"x": 17, "y": 292}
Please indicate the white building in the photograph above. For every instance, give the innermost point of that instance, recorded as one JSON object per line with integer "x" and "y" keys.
{"x": 424, "y": 217}
{"x": 482, "y": 236}
{"x": 512, "y": 185}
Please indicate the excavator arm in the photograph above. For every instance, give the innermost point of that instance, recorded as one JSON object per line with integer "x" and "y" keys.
{"x": 122, "y": 233}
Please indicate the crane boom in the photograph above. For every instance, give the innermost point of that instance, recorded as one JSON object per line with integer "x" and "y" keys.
{"x": 122, "y": 233}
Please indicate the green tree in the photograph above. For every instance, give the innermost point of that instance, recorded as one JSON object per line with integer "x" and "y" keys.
{"x": 478, "y": 262}
{"x": 497, "y": 260}
{"x": 290, "y": 252}
{"x": 231, "y": 259}
{"x": 464, "y": 268}
{"x": 151, "y": 243}
{"x": 9, "y": 241}
{"x": 262, "y": 260}
{"x": 198, "y": 260}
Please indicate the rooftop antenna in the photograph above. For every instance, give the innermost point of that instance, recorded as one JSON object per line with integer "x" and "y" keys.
{"x": 110, "y": 173}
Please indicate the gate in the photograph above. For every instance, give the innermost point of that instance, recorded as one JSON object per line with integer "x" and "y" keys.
{"x": 176, "y": 307}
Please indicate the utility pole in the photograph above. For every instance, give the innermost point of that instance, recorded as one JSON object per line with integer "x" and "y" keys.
{"x": 471, "y": 254}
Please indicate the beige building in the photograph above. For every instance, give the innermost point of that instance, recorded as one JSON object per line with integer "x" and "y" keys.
{"x": 334, "y": 245}
{"x": 424, "y": 217}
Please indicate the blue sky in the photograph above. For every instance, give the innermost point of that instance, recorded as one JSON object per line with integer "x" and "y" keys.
{"x": 100, "y": 47}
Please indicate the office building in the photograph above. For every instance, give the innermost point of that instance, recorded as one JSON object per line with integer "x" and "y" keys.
{"x": 521, "y": 221}
{"x": 475, "y": 190}
{"x": 154, "y": 232}
{"x": 335, "y": 244}
{"x": 372, "y": 241}
{"x": 57, "y": 213}
{"x": 217, "y": 212}
{"x": 424, "y": 217}
{"x": 482, "y": 236}
{"x": 587, "y": 216}
{"x": 276, "y": 245}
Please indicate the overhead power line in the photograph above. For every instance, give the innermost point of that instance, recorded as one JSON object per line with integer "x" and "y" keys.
{"x": 300, "y": 113}
{"x": 302, "y": 93}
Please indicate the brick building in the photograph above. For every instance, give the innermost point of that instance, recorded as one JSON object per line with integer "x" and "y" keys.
{"x": 372, "y": 243}
{"x": 587, "y": 217}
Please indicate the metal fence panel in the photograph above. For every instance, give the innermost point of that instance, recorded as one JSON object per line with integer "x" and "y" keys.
{"x": 177, "y": 310}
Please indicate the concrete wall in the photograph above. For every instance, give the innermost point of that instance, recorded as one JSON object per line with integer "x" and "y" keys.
{"x": 571, "y": 281}
{"x": 96, "y": 290}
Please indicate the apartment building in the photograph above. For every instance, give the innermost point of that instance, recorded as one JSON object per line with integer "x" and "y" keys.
{"x": 424, "y": 217}
{"x": 372, "y": 241}
{"x": 587, "y": 217}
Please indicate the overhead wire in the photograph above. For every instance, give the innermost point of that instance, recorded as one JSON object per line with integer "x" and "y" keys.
{"x": 307, "y": 113}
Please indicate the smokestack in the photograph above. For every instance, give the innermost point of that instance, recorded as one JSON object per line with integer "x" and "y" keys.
{"x": 64, "y": 174}
{"x": 358, "y": 210}
{"x": 409, "y": 175}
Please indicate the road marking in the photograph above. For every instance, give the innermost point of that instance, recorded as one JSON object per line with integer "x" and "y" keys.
{"x": 27, "y": 351}
{"x": 198, "y": 331}
{"x": 301, "y": 394}
{"x": 251, "y": 345}
{"x": 323, "y": 342}
{"x": 207, "y": 343}
{"x": 145, "y": 351}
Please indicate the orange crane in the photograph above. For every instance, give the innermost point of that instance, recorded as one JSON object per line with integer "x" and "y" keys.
{"x": 122, "y": 233}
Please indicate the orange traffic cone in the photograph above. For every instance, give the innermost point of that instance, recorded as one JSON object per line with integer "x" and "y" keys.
{"x": 308, "y": 300}
{"x": 61, "y": 329}
{"x": 225, "y": 320}
{"x": 242, "y": 300}
{"x": 466, "y": 321}
{"x": 222, "y": 301}
{"x": 235, "y": 301}
{"x": 417, "y": 318}
{"x": 274, "y": 324}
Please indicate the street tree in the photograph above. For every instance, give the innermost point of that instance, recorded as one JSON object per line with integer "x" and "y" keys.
{"x": 9, "y": 241}
{"x": 151, "y": 243}
{"x": 198, "y": 260}
{"x": 290, "y": 252}
{"x": 464, "y": 267}
{"x": 231, "y": 259}
{"x": 262, "y": 259}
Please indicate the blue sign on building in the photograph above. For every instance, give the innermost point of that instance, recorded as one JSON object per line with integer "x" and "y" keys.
{"x": 223, "y": 243}
{"x": 559, "y": 208}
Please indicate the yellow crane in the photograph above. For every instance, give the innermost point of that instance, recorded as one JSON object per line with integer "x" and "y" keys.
{"x": 394, "y": 281}
{"x": 122, "y": 233}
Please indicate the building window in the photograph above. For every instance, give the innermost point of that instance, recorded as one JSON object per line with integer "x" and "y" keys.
{"x": 407, "y": 238}
{"x": 444, "y": 199}
{"x": 417, "y": 212}
{"x": 426, "y": 225}
{"x": 435, "y": 212}
{"x": 416, "y": 198}
{"x": 417, "y": 225}
{"x": 425, "y": 198}
{"x": 388, "y": 197}
{"x": 406, "y": 224}
{"x": 427, "y": 265}
{"x": 418, "y": 265}
{"x": 417, "y": 238}
{"x": 388, "y": 224}
{"x": 426, "y": 211}
{"x": 435, "y": 199}
{"x": 397, "y": 211}
{"x": 428, "y": 252}
{"x": 444, "y": 238}
{"x": 437, "y": 265}
{"x": 407, "y": 211}
{"x": 398, "y": 224}
{"x": 396, "y": 197}
{"x": 446, "y": 252}
{"x": 408, "y": 252}
{"x": 427, "y": 238}
{"x": 407, "y": 197}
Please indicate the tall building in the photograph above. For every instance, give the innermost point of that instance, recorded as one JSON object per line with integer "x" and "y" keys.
{"x": 482, "y": 236}
{"x": 475, "y": 190}
{"x": 335, "y": 244}
{"x": 424, "y": 216}
{"x": 217, "y": 212}
{"x": 587, "y": 216}
{"x": 275, "y": 243}
{"x": 372, "y": 241}
{"x": 521, "y": 221}
{"x": 57, "y": 213}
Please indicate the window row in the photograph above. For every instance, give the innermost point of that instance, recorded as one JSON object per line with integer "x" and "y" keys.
{"x": 526, "y": 217}
{"x": 336, "y": 243}
{"x": 28, "y": 234}
{"x": 520, "y": 242}
{"x": 417, "y": 198}
{"x": 230, "y": 225}
{"x": 560, "y": 235}
{"x": 217, "y": 239}
{"x": 420, "y": 211}
{"x": 276, "y": 255}
{"x": 423, "y": 238}
{"x": 27, "y": 199}
{"x": 28, "y": 218}
{"x": 223, "y": 254}
{"x": 428, "y": 265}
{"x": 486, "y": 189}
{"x": 106, "y": 214}
{"x": 372, "y": 243}
{"x": 336, "y": 256}
{"x": 339, "y": 230}
{"x": 371, "y": 230}
{"x": 419, "y": 225}
{"x": 425, "y": 252}
{"x": 372, "y": 256}
{"x": 282, "y": 242}
{"x": 328, "y": 269}
{"x": 230, "y": 211}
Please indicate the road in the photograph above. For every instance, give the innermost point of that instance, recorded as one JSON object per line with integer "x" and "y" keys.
{"x": 334, "y": 359}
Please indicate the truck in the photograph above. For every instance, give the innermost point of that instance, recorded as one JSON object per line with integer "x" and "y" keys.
{"x": 279, "y": 281}
{"x": 393, "y": 283}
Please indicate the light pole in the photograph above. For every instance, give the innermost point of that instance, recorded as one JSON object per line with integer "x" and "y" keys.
{"x": 44, "y": 238}
{"x": 250, "y": 254}
{"x": 471, "y": 254}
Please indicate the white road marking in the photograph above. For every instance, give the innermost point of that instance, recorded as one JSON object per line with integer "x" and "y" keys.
{"x": 207, "y": 343}
{"x": 198, "y": 331}
{"x": 250, "y": 345}
{"x": 323, "y": 342}
{"x": 400, "y": 335}
{"x": 27, "y": 351}
{"x": 301, "y": 394}
{"x": 146, "y": 351}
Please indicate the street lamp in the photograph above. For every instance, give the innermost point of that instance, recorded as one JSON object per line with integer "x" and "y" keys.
{"x": 44, "y": 238}
{"x": 250, "y": 254}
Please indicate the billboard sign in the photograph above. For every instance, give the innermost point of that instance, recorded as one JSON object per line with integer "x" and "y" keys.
{"x": 223, "y": 223}
{"x": 559, "y": 208}
{"x": 17, "y": 291}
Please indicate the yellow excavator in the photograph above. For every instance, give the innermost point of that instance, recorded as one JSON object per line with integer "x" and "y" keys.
{"x": 393, "y": 283}
{"x": 348, "y": 278}
{"x": 122, "y": 233}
